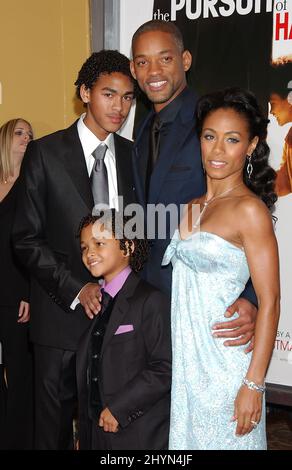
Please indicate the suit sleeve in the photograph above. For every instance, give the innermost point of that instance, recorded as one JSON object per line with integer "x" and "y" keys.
{"x": 154, "y": 381}
{"x": 249, "y": 293}
{"x": 29, "y": 232}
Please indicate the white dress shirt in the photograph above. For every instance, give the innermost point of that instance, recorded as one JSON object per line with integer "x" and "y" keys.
{"x": 89, "y": 143}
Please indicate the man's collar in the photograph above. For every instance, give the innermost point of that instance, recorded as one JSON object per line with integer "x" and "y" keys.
{"x": 89, "y": 140}
{"x": 169, "y": 112}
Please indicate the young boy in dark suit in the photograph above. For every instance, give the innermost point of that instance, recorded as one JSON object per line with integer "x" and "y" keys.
{"x": 124, "y": 358}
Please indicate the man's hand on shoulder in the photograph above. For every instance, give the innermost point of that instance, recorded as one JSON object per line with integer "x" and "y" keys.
{"x": 243, "y": 327}
{"x": 90, "y": 299}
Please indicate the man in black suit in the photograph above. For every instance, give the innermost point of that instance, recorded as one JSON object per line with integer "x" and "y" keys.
{"x": 159, "y": 64}
{"x": 58, "y": 188}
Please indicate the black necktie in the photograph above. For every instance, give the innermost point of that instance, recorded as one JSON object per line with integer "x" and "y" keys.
{"x": 156, "y": 126}
{"x": 105, "y": 300}
{"x": 98, "y": 178}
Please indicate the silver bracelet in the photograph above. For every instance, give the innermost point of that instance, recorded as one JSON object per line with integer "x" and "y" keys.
{"x": 253, "y": 386}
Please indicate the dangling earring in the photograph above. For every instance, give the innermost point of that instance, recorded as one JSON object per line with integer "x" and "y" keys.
{"x": 249, "y": 168}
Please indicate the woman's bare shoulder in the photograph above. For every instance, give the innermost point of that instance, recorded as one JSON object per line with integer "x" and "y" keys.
{"x": 250, "y": 210}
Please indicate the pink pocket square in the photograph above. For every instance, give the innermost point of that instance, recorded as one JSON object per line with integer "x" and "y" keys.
{"x": 124, "y": 329}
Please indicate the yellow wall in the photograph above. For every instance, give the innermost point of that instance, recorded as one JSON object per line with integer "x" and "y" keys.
{"x": 42, "y": 47}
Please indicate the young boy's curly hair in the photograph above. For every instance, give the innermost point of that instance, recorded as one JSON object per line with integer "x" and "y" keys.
{"x": 115, "y": 222}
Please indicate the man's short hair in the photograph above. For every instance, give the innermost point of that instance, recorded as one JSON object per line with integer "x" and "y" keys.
{"x": 163, "y": 26}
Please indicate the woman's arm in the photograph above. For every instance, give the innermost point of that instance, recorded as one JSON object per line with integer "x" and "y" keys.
{"x": 260, "y": 245}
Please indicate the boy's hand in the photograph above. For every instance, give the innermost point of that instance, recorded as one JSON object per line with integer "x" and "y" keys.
{"x": 23, "y": 312}
{"x": 90, "y": 299}
{"x": 107, "y": 421}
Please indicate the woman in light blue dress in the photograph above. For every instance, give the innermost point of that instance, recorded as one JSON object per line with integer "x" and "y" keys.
{"x": 217, "y": 392}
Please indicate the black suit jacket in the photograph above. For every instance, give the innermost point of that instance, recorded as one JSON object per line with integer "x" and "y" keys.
{"x": 135, "y": 369}
{"x": 54, "y": 196}
{"x": 177, "y": 178}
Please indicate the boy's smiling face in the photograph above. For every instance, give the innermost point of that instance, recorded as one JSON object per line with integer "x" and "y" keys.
{"x": 101, "y": 254}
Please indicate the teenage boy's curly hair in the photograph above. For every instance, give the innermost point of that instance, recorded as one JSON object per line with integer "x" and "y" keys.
{"x": 115, "y": 222}
{"x": 102, "y": 63}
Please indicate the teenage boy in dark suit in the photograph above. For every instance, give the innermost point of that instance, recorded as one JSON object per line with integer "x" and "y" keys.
{"x": 55, "y": 193}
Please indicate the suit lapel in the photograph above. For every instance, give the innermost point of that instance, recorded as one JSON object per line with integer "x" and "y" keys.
{"x": 124, "y": 173}
{"x": 179, "y": 130}
{"x": 183, "y": 126}
{"x": 74, "y": 161}
{"x": 139, "y": 175}
{"x": 120, "y": 309}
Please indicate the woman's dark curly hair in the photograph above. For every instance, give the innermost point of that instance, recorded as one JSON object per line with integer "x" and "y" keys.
{"x": 262, "y": 180}
{"x": 115, "y": 222}
{"x": 102, "y": 63}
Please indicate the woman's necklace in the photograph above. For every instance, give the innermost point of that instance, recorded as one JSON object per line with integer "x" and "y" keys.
{"x": 207, "y": 203}
{"x": 9, "y": 180}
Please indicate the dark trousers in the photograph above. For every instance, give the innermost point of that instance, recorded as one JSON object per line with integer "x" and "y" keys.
{"x": 16, "y": 382}
{"x": 2, "y": 402}
{"x": 55, "y": 397}
{"x": 100, "y": 440}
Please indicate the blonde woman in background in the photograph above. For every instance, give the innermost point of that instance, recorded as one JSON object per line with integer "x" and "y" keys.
{"x": 16, "y": 420}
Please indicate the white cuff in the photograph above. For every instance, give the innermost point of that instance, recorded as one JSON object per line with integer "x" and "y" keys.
{"x": 76, "y": 301}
